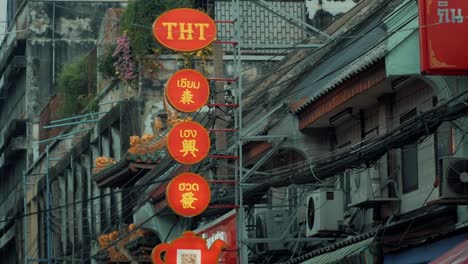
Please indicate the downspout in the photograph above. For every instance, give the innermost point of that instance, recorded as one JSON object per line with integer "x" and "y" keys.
{"x": 53, "y": 43}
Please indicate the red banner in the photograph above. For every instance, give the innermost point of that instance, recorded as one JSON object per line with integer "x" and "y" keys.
{"x": 187, "y": 90}
{"x": 224, "y": 228}
{"x": 184, "y": 29}
{"x": 188, "y": 194}
{"x": 188, "y": 142}
{"x": 443, "y": 36}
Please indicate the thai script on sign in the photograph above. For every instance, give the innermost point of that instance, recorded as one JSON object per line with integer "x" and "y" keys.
{"x": 217, "y": 235}
{"x": 188, "y": 133}
{"x": 184, "y": 186}
{"x": 447, "y": 14}
{"x": 185, "y": 83}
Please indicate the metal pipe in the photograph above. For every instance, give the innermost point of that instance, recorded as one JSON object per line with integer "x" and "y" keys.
{"x": 25, "y": 220}
{"x": 241, "y": 224}
{"x": 71, "y": 123}
{"x": 115, "y": 101}
{"x": 48, "y": 217}
{"x": 63, "y": 136}
{"x": 53, "y": 42}
{"x": 75, "y": 117}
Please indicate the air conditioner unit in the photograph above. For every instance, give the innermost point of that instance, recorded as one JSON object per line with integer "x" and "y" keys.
{"x": 325, "y": 211}
{"x": 454, "y": 181}
{"x": 271, "y": 224}
{"x": 365, "y": 185}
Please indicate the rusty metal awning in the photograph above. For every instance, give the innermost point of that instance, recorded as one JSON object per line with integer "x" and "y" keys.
{"x": 458, "y": 255}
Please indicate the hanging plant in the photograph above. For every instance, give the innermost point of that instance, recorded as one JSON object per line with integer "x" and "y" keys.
{"x": 125, "y": 66}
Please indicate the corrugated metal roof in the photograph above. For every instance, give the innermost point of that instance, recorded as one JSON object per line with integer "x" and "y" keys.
{"x": 343, "y": 249}
{"x": 361, "y": 49}
{"x": 341, "y": 254}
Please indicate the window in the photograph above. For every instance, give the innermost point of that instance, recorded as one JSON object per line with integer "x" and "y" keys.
{"x": 409, "y": 160}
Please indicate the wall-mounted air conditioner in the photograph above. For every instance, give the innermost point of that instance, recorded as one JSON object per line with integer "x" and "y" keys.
{"x": 271, "y": 224}
{"x": 365, "y": 185}
{"x": 324, "y": 211}
{"x": 454, "y": 178}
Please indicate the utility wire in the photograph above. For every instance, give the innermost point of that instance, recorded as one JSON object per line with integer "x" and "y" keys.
{"x": 307, "y": 85}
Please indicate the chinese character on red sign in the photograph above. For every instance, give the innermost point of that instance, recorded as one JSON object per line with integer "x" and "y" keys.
{"x": 184, "y": 29}
{"x": 443, "y": 36}
{"x": 188, "y": 142}
{"x": 187, "y": 90}
{"x": 188, "y": 194}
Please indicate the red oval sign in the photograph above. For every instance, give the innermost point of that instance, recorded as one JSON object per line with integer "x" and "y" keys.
{"x": 188, "y": 142}
{"x": 187, "y": 90}
{"x": 184, "y": 29}
{"x": 188, "y": 194}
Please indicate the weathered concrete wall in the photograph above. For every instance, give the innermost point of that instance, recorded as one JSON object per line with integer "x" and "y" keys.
{"x": 58, "y": 35}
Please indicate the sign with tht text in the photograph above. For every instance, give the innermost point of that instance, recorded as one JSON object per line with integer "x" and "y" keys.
{"x": 184, "y": 29}
{"x": 443, "y": 36}
{"x": 188, "y": 142}
{"x": 187, "y": 90}
{"x": 188, "y": 194}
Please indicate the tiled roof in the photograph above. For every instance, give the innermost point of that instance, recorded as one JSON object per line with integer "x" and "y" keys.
{"x": 152, "y": 157}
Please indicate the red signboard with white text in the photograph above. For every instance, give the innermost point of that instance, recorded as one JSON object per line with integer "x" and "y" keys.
{"x": 223, "y": 228}
{"x": 444, "y": 36}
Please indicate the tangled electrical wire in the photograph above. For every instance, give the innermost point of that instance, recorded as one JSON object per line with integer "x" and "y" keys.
{"x": 367, "y": 152}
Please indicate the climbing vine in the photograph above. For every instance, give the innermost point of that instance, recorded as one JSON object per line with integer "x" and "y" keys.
{"x": 137, "y": 20}
{"x": 72, "y": 83}
{"x": 106, "y": 62}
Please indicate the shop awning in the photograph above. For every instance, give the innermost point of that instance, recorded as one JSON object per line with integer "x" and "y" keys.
{"x": 354, "y": 253}
{"x": 457, "y": 255}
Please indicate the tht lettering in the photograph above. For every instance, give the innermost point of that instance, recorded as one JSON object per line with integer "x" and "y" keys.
{"x": 185, "y": 31}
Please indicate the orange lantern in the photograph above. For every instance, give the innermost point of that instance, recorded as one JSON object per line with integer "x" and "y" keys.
{"x": 188, "y": 194}
{"x": 187, "y": 249}
{"x": 187, "y": 90}
{"x": 184, "y": 29}
{"x": 188, "y": 142}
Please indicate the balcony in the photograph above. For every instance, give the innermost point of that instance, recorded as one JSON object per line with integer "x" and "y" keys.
{"x": 15, "y": 147}
{"x": 11, "y": 49}
{"x": 16, "y": 64}
{"x": 14, "y": 140}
